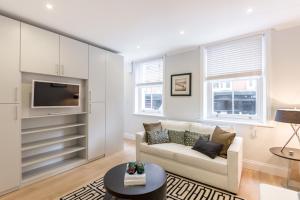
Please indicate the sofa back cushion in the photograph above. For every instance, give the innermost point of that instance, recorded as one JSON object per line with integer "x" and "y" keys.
{"x": 176, "y": 136}
{"x": 207, "y": 129}
{"x": 175, "y": 125}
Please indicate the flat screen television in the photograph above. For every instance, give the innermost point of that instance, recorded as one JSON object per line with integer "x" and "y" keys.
{"x": 47, "y": 94}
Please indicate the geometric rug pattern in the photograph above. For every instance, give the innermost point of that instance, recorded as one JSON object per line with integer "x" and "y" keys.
{"x": 178, "y": 188}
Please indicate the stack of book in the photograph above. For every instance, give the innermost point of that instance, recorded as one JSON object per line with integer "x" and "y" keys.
{"x": 134, "y": 179}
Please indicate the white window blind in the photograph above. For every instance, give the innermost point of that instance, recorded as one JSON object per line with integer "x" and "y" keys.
{"x": 150, "y": 72}
{"x": 238, "y": 58}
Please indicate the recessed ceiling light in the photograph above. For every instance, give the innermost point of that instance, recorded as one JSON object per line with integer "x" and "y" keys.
{"x": 249, "y": 11}
{"x": 49, "y": 6}
{"x": 181, "y": 32}
{"x": 138, "y": 46}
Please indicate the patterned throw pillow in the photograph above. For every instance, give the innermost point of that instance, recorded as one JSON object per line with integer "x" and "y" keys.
{"x": 158, "y": 137}
{"x": 176, "y": 136}
{"x": 151, "y": 127}
{"x": 190, "y": 138}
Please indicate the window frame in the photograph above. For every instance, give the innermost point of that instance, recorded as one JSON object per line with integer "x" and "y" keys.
{"x": 261, "y": 92}
{"x": 138, "y": 104}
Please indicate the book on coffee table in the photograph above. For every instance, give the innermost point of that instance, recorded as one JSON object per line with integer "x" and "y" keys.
{"x": 134, "y": 179}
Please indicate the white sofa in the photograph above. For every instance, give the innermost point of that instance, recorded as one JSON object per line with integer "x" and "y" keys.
{"x": 182, "y": 160}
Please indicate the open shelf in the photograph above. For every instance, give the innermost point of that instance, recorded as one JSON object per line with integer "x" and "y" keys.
{"x": 47, "y": 142}
{"x": 50, "y": 128}
{"x": 49, "y": 155}
{"x": 53, "y": 115}
{"x": 52, "y": 169}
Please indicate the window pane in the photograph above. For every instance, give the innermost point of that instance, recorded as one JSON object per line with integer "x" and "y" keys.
{"x": 223, "y": 102}
{"x": 235, "y": 96}
{"x": 151, "y": 98}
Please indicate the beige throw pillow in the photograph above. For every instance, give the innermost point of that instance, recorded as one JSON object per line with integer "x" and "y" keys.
{"x": 151, "y": 127}
{"x": 223, "y": 137}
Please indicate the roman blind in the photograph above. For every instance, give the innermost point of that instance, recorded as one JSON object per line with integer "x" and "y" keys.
{"x": 238, "y": 58}
{"x": 149, "y": 72}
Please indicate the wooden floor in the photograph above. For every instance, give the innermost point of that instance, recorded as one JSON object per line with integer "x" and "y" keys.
{"x": 56, "y": 186}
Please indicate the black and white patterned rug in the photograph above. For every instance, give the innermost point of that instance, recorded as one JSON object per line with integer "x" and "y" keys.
{"x": 178, "y": 188}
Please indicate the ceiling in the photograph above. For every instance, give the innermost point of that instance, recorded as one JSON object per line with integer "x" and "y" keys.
{"x": 154, "y": 25}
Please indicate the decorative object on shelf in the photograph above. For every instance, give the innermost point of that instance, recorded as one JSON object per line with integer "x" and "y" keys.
{"x": 291, "y": 116}
{"x": 181, "y": 84}
{"x": 134, "y": 174}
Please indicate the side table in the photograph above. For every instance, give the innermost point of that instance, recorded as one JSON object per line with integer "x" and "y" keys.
{"x": 293, "y": 178}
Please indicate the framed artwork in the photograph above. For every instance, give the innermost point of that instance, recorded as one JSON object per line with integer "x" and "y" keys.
{"x": 181, "y": 84}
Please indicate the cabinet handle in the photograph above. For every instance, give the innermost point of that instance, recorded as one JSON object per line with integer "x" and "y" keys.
{"x": 16, "y": 94}
{"x": 90, "y": 96}
{"x": 16, "y": 117}
{"x": 90, "y": 108}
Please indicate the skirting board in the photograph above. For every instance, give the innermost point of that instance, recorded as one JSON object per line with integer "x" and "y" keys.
{"x": 265, "y": 167}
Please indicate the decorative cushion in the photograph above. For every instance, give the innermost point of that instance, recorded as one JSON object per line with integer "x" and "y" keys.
{"x": 190, "y": 138}
{"x": 158, "y": 137}
{"x": 151, "y": 127}
{"x": 223, "y": 137}
{"x": 208, "y": 148}
{"x": 176, "y": 136}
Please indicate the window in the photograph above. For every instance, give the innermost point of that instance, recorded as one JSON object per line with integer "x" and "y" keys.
{"x": 234, "y": 81}
{"x": 149, "y": 87}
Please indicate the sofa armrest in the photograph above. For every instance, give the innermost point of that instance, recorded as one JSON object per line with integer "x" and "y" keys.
{"x": 235, "y": 163}
{"x": 140, "y": 138}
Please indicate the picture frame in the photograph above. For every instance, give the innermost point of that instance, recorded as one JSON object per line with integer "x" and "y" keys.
{"x": 181, "y": 84}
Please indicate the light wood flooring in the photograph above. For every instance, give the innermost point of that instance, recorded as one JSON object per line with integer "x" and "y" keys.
{"x": 56, "y": 186}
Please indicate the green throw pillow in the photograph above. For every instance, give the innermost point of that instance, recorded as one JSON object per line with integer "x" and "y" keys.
{"x": 176, "y": 136}
{"x": 190, "y": 138}
{"x": 158, "y": 137}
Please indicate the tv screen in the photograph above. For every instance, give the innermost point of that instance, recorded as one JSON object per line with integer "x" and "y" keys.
{"x": 51, "y": 94}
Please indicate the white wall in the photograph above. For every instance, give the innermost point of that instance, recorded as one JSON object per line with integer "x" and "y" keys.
{"x": 284, "y": 91}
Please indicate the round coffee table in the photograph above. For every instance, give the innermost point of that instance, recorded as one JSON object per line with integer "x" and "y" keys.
{"x": 155, "y": 188}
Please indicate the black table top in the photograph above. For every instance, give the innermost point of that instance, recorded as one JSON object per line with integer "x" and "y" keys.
{"x": 114, "y": 181}
{"x": 285, "y": 154}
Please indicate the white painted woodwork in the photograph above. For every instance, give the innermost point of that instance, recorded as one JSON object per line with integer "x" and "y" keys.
{"x": 10, "y": 147}
{"x": 50, "y": 128}
{"x": 97, "y": 74}
{"x": 39, "y": 50}
{"x": 10, "y": 76}
{"x": 74, "y": 58}
{"x": 96, "y": 131}
{"x": 114, "y": 103}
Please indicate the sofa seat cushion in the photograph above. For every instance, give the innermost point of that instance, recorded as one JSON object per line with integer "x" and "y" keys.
{"x": 186, "y": 155}
{"x": 165, "y": 150}
{"x": 191, "y": 157}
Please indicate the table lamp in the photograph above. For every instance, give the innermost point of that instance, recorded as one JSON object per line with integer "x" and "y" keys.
{"x": 291, "y": 116}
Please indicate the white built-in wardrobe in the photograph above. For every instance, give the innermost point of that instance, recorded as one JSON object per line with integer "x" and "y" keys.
{"x": 40, "y": 142}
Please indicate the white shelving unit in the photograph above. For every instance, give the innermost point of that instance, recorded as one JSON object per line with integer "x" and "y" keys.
{"x": 52, "y": 144}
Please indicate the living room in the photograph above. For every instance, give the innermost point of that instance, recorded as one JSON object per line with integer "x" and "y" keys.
{"x": 149, "y": 100}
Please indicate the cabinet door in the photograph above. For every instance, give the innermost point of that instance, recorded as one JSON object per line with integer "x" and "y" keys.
{"x": 10, "y": 147}
{"x": 96, "y": 132}
{"x": 39, "y": 50}
{"x": 10, "y": 76}
{"x": 97, "y": 70}
{"x": 74, "y": 60}
{"x": 114, "y": 103}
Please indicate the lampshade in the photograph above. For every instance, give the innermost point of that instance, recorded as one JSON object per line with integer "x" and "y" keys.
{"x": 291, "y": 116}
